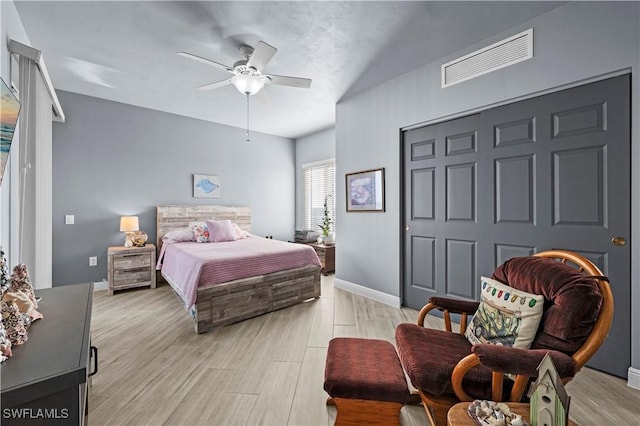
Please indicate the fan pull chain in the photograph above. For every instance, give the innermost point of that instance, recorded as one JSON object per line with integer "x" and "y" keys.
{"x": 248, "y": 138}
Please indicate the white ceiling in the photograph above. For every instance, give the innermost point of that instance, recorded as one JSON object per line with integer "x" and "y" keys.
{"x": 126, "y": 51}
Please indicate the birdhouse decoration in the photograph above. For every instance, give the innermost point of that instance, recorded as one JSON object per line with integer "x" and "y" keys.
{"x": 549, "y": 401}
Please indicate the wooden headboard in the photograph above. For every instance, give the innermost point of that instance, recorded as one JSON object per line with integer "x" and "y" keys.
{"x": 171, "y": 217}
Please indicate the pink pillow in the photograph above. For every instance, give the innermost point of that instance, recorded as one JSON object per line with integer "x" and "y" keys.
{"x": 220, "y": 230}
{"x": 240, "y": 234}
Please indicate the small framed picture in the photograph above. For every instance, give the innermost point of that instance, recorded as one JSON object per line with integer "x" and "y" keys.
{"x": 365, "y": 191}
{"x": 206, "y": 186}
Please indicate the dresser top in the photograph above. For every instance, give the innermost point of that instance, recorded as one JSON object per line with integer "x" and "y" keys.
{"x": 57, "y": 345}
{"x": 126, "y": 250}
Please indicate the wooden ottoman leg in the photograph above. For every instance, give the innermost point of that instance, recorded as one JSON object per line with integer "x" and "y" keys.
{"x": 352, "y": 412}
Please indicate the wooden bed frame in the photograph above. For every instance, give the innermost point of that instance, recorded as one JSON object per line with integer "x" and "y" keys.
{"x": 233, "y": 301}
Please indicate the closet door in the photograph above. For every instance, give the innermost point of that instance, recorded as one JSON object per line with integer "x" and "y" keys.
{"x": 441, "y": 209}
{"x": 551, "y": 172}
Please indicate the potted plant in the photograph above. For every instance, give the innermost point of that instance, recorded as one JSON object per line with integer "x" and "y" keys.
{"x": 325, "y": 225}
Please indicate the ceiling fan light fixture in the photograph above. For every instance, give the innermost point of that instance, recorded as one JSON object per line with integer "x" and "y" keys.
{"x": 247, "y": 72}
{"x": 247, "y": 84}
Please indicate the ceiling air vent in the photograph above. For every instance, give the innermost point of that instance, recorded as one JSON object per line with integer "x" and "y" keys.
{"x": 499, "y": 55}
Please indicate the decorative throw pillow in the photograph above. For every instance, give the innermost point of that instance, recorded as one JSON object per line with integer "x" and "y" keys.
{"x": 506, "y": 316}
{"x": 179, "y": 235}
{"x": 200, "y": 232}
{"x": 240, "y": 234}
{"x": 220, "y": 231}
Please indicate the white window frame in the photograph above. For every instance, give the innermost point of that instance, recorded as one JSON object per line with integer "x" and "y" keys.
{"x": 314, "y": 200}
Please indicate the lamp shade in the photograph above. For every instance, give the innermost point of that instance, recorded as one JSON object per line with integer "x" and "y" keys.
{"x": 129, "y": 224}
{"x": 246, "y": 83}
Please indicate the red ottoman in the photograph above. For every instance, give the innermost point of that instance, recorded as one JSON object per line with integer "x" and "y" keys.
{"x": 366, "y": 382}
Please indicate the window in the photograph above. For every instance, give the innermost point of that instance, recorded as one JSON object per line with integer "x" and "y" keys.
{"x": 319, "y": 185}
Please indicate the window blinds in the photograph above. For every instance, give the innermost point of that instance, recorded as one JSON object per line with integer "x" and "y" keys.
{"x": 319, "y": 185}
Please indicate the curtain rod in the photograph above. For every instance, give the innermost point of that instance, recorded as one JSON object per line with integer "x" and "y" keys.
{"x": 36, "y": 56}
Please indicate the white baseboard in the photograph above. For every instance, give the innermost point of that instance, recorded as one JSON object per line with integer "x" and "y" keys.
{"x": 100, "y": 285}
{"x": 633, "y": 378}
{"x": 376, "y": 295}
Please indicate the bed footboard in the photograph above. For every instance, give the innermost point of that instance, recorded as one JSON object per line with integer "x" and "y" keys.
{"x": 234, "y": 301}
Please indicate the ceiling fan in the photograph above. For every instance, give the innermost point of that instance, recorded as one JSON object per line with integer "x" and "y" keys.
{"x": 247, "y": 73}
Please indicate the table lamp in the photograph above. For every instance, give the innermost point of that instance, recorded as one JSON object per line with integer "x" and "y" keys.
{"x": 128, "y": 225}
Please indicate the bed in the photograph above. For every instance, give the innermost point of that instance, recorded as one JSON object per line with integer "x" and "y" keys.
{"x": 213, "y": 303}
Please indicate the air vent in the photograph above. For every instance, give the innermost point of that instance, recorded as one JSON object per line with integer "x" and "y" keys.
{"x": 499, "y": 55}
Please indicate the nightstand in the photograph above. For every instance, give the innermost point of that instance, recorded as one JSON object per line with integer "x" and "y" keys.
{"x": 327, "y": 255}
{"x": 130, "y": 267}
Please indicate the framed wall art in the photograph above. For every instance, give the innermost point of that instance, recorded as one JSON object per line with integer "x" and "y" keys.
{"x": 9, "y": 110}
{"x": 365, "y": 191}
{"x": 206, "y": 186}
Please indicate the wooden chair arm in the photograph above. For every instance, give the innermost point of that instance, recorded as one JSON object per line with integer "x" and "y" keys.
{"x": 497, "y": 379}
{"x": 456, "y": 306}
{"x": 424, "y": 311}
{"x": 522, "y": 360}
{"x": 464, "y": 365}
{"x": 446, "y": 316}
{"x": 449, "y": 306}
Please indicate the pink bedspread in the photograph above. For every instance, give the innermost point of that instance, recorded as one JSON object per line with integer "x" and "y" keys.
{"x": 189, "y": 264}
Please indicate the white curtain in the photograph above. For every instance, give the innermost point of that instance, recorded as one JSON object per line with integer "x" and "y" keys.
{"x": 35, "y": 194}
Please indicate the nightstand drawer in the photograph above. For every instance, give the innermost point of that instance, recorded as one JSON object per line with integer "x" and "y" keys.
{"x": 132, "y": 260}
{"x": 131, "y": 276}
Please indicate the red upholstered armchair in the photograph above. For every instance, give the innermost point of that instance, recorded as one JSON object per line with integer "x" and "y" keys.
{"x": 577, "y": 314}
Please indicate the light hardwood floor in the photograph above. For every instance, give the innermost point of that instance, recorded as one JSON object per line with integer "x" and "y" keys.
{"x": 268, "y": 370}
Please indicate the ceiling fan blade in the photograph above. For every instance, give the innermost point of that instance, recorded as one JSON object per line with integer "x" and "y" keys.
{"x": 261, "y": 55}
{"x": 204, "y": 60}
{"x": 215, "y": 85}
{"x": 281, "y": 80}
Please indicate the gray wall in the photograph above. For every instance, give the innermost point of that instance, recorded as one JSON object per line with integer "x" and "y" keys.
{"x": 112, "y": 159}
{"x": 574, "y": 43}
{"x": 318, "y": 146}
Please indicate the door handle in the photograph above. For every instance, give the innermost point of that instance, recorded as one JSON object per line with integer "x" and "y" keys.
{"x": 407, "y": 227}
{"x": 618, "y": 241}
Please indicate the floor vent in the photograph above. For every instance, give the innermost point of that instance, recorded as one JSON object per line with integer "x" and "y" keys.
{"x": 499, "y": 55}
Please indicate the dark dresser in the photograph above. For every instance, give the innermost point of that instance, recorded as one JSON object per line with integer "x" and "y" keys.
{"x": 45, "y": 381}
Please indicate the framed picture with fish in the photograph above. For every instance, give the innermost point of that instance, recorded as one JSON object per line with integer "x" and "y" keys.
{"x": 206, "y": 186}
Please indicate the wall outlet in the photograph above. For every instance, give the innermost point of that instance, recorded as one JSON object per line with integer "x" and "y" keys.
{"x": 93, "y": 261}
{"x": 69, "y": 219}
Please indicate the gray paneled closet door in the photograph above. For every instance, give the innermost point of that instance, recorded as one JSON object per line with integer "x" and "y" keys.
{"x": 551, "y": 172}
